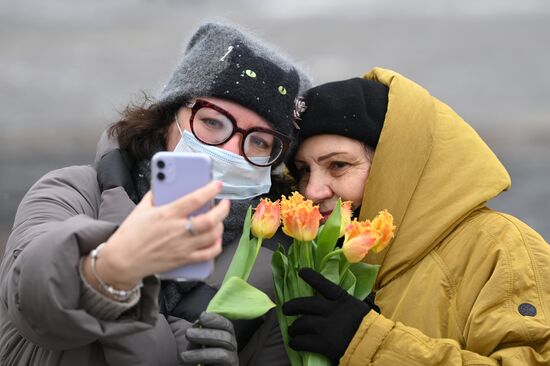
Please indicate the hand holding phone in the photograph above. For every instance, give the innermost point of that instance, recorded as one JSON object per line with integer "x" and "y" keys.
{"x": 174, "y": 175}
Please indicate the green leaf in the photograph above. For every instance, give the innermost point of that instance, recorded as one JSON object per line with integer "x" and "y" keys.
{"x": 251, "y": 258}
{"x": 294, "y": 357}
{"x": 314, "y": 252}
{"x": 299, "y": 257}
{"x": 348, "y": 281}
{"x": 279, "y": 264}
{"x": 315, "y": 359}
{"x": 366, "y": 275}
{"x": 304, "y": 289}
{"x": 237, "y": 299}
{"x": 281, "y": 249}
{"x": 332, "y": 271}
{"x": 245, "y": 255}
{"x": 328, "y": 235}
{"x": 292, "y": 289}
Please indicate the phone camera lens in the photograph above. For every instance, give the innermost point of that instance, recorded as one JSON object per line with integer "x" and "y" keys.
{"x": 161, "y": 176}
{"x": 161, "y": 164}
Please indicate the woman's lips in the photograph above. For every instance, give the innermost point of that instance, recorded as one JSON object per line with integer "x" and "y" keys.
{"x": 326, "y": 214}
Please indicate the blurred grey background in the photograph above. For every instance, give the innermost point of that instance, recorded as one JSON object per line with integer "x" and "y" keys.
{"x": 68, "y": 66}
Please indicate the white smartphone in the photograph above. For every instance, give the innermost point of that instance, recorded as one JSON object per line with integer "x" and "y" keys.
{"x": 174, "y": 175}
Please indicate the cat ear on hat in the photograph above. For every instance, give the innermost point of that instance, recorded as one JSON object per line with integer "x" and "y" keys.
{"x": 200, "y": 33}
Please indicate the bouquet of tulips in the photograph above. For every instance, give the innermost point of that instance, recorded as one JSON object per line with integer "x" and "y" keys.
{"x": 313, "y": 246}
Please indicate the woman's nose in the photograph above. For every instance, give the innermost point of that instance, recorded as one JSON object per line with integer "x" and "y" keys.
{"x": 317, "y": 189}
{"x": 233, "y": 144}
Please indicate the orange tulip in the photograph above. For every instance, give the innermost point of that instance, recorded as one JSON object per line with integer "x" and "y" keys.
{"x": 266, "y": 219}
{"x": 300, "y": 217}
{"x": 383, "y": 230}
{"x": 345, "y": 217}
{"x": 358, "y": 241}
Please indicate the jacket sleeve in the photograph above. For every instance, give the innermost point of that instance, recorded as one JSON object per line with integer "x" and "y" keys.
{"x": 380, "y": 341}
{"x": 508, "y": 323}
{"x": 58, "y": 221}
{"x": 153, "y": 347}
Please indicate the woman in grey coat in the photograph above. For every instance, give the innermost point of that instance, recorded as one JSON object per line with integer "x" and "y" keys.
{"x": 78, "y": 284}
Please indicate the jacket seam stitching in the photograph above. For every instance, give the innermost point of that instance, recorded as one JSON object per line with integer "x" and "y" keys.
{"x": 439, "y": 261}
{"x": 510, "y": 284}
{"x": 534, "y": 268}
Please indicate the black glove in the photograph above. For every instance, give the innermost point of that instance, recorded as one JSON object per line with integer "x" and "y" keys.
{"x": 196, "y": 301}
{"x": 114, "y": 170}
{"x": 211, "y": 342}
{"x": 328, "y": 322}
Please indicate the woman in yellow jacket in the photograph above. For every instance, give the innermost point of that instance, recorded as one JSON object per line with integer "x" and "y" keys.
{"x": 461, "y": 284}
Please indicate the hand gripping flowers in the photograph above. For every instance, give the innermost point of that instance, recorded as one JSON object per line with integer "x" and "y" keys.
{"x": 314, "y": 246}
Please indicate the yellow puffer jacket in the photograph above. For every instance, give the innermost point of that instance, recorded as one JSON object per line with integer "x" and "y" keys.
{"x": 461, "y": 284}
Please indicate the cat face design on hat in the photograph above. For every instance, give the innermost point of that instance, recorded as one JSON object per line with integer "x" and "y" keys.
{"x": 224, "y": 62}
{"x": 258, "y": 84}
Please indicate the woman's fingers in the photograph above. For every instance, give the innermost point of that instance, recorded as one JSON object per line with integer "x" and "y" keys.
{"x": 199, "y": 241}
{"x": 205, "y": 222}
{"x": 178, "y": 248}
{"x": 204, "y": 254}
{"x": 156, "y": 239}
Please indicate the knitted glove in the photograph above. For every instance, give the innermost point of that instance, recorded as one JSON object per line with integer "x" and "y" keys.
{"x": 113, "y": 170}
{"x": 211, "y": 342}
{"x": 328, "y": 322}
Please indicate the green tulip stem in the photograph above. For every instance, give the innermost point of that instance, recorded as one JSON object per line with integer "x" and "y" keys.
{"x": 294, "y": 256}
{"x": 305, "y": 256}
{"x": 258, "y": 246}
{"x": 328, "y": 256}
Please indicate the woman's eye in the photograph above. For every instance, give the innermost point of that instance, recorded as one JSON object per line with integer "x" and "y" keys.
{"x": 212, "y": 123}
{"x": 338, "y": 165}
{"x": 303, "y": 170}
{"x": 260, "y": 143}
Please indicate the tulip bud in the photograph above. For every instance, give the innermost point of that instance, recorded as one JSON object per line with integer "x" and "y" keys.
{"x": 383, "y": 229}
{"x": 358, "y": 241}
{"x": 300, "y": 217}
{"x": 266, "y": 219}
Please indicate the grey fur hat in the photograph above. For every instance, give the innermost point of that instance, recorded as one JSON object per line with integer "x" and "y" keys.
{"x": 223, "y": 61}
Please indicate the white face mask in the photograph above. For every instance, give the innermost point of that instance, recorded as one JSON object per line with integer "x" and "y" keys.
{"x": 241, "y": 180}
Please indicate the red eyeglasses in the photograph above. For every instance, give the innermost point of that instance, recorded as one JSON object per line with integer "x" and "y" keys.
{"x": 212, "y": 125}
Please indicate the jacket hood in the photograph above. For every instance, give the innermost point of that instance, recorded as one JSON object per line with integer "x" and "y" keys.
{"x": 430, "y": 170}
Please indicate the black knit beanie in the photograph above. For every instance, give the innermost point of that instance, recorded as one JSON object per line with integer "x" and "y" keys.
{"x": 354, "y": 108}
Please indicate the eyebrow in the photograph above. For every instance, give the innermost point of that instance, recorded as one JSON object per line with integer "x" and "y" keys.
{"x": 329, "y": 155}
{"x": 323, "y": 157}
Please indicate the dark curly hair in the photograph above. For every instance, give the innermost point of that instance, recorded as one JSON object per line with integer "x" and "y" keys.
{"x": 143, "y": 127}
